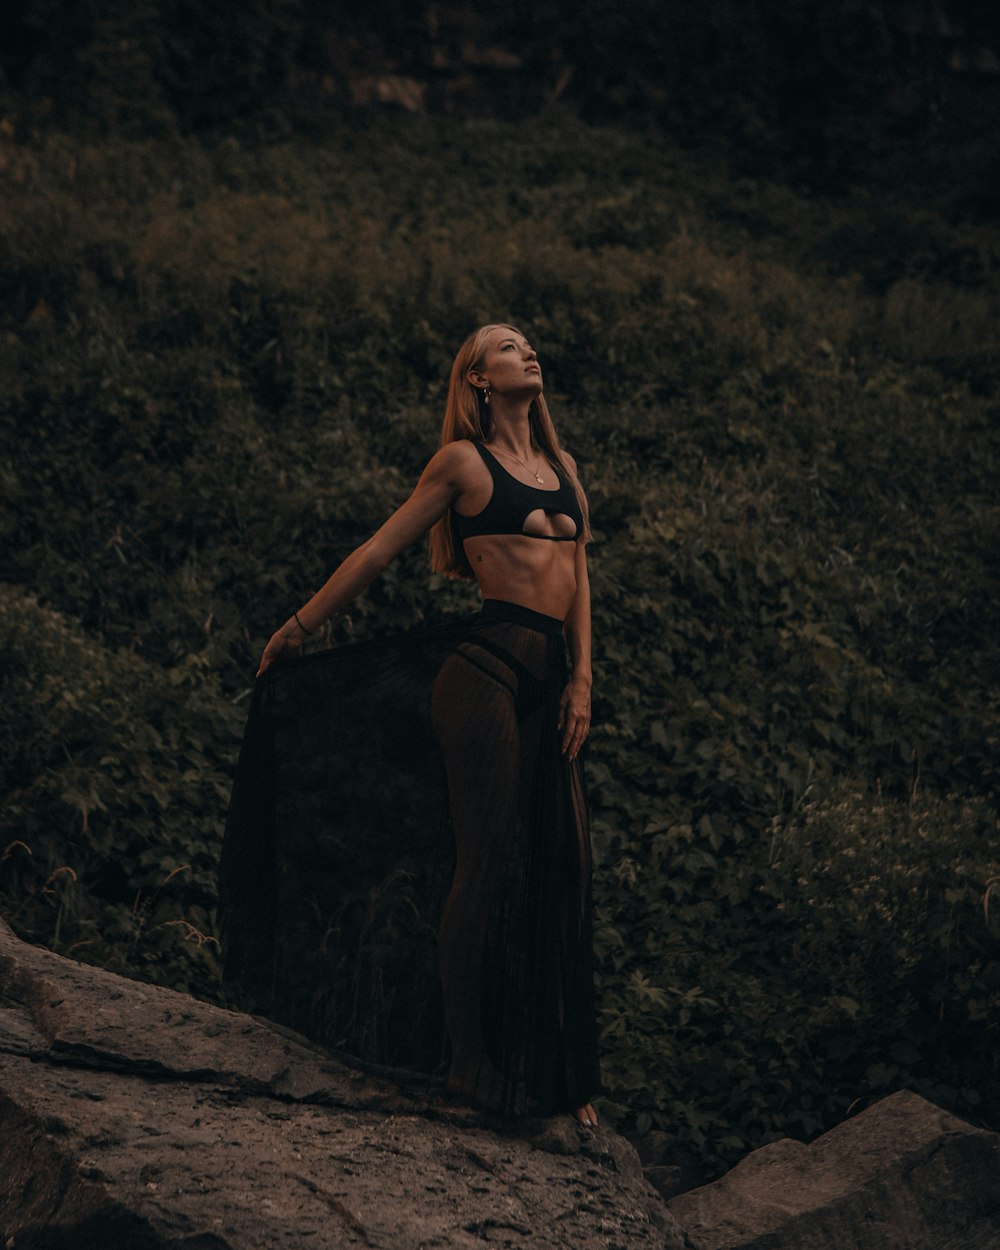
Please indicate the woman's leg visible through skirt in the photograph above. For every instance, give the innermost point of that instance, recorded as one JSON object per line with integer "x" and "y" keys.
{"x": 514, "y": 941}
{"x": 475, "y": 718}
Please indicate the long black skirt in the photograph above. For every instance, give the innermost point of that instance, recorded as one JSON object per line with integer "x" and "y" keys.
{"x": 406, "y": 872}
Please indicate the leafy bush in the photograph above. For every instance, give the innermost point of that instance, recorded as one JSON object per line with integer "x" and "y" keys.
{"x": 852, "y": 954}
{"x": 888, "y": 905}
{"x": 114, "y": 778}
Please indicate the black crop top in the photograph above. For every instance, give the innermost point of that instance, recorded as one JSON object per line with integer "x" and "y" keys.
{"x": 512, "y": 501}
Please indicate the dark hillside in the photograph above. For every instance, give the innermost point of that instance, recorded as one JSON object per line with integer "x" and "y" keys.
{"x": 824, "y": 93}
{"x": 223, "y": 364}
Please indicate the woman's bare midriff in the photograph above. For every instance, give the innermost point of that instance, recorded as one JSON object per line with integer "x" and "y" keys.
{"x": 537, "y": 573}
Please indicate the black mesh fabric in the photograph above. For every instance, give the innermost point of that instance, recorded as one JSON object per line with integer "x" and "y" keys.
{"x": 406, "y": 869}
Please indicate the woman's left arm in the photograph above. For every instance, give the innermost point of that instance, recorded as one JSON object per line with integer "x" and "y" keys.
{"x": 574, "y": 707}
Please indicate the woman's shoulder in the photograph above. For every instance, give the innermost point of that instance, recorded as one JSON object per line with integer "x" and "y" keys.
{"x": 461, "y": 448}
{"x": 457, "y": 453}
{"x": 568, "y": 462}
{"x": 456, "y": 460}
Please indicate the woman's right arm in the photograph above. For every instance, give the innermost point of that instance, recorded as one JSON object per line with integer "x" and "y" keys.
{"x": 439, "y": 485}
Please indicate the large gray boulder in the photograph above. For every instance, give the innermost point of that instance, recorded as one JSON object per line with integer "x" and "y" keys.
{"x": 136, "y": 1118}
{"x": 903, "y": 1175}
{"x": 133, "y": 1117}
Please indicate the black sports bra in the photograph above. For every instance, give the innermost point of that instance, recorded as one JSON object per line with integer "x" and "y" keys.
{"x": 512, "y": 501}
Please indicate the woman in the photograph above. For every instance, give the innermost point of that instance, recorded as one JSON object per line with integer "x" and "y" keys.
{"x": 489, "y": 697}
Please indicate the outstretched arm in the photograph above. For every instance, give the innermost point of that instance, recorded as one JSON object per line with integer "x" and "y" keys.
{"x": 438, "y": 487}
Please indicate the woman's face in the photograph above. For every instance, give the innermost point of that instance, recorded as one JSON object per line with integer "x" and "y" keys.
{"x": 508, "y": 365}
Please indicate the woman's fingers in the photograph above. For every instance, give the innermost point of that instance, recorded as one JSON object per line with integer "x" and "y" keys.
{"x": 579, "y": 736}
{"x": 278, "y": 645}
{"x": 577, "y": 725}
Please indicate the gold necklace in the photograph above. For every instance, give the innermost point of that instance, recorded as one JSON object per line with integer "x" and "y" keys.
{"x": 533, "y": 472}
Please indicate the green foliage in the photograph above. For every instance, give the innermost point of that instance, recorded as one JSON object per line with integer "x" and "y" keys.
{"x": 851, "y": 954}
{"x": 224, "y": 366}
{"x": 115, "y": 775}
{"x": 887, "y": 908}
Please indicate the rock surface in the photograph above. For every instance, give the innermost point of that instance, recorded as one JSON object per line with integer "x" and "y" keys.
{"x": 903, "y": 1175}
{"x": 134, "y": 1116}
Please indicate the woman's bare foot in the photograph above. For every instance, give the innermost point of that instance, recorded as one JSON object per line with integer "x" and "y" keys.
{"x": 586, "y": 1115}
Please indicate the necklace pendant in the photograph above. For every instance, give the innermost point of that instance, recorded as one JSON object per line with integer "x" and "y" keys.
{"x": 539, "y": 480}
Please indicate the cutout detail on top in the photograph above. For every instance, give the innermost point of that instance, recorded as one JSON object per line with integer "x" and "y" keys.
{"x": 541, "y": 523}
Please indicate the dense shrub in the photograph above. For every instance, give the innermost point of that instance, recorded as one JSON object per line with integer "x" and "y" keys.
{"x": 115, "y": 773}
{"x": 847, "y": 956}
{"x": 223, "y": 366}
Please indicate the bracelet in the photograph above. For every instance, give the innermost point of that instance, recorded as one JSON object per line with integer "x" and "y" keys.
{"x": 301, "y": 626}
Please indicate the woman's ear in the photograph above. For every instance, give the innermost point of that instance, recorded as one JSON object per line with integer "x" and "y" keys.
{"x": 477, "y": 379}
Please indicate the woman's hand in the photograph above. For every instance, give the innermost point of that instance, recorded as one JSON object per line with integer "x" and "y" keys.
{"x": 284, "y": 644}
{"x": 574, "y": 715}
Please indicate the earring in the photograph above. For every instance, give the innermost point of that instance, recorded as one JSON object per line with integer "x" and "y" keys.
{"x": 486, "y": 393}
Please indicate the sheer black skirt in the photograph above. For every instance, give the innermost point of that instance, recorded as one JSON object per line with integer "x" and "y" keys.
{"x": 406, "y": 872}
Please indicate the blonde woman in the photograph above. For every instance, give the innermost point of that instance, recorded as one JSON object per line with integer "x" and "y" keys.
{"x": 340, "y": 884}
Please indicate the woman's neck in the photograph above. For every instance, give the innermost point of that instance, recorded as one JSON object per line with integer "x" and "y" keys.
{"x": 512, "y": 427}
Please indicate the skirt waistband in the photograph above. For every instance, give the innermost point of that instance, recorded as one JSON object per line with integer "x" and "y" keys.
{"x": 518, "y": 614}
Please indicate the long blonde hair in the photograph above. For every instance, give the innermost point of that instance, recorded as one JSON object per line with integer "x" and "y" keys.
{"x": 467, "y": 415}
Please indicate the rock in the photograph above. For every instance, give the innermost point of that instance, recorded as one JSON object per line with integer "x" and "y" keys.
{"x": 668, "y": 1166}
{"x": 903, "y": 1175}
{"x": 666, "y": 1178}
{"x": 132, "y": 1116}
{"x": 406, "y": 93}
